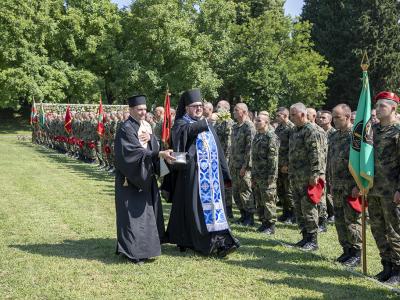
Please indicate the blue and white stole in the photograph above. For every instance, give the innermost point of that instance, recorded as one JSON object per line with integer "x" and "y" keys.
{"x": 208, "y": 179}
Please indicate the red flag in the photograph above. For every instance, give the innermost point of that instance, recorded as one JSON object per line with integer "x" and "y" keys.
{"x": 100, "y": 120}
{"x": 33, "y": 112}
{"x": 167, "y": 123}
{"x": 68, "y": 121}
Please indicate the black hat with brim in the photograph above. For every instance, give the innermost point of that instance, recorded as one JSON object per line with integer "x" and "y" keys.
{"x": 136, "y": 100}
{"x": 191, "y": 96}
{"x": 188, "y": 97}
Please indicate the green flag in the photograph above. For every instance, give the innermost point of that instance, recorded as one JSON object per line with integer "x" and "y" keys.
{"x": 42, "y": 116}
{"x": 361, "y": 161}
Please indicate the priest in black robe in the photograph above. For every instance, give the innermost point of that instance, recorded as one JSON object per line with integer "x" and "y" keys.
{"x": 198, "y": 215}
{"x": 139, "y": 215}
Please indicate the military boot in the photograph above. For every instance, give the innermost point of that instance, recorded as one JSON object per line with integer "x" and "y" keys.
{"x": 285, "y": 215}
{"x": 312, "y": 242}
{"x": 345, "y": 255}
{"x": 242, "y": 217}
{"x": 394, "y": 276}
{"x": 322, "y": 225}
{"x": 249, "y": 220}
{"x": 355, "y": 258}
{"x": 386, "y": 273}
{"x": 303, "y": 241}
{"x": 262, "y": 227}
{"x": 229, "y": 212}
{"x": 270, "y": 230}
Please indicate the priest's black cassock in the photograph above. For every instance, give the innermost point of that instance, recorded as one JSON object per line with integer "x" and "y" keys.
{"x": 140, "y": 222}
{"x": 187, "y": 226}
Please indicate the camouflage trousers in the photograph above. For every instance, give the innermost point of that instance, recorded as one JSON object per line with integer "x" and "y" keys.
{"x": 347, "y": 220}
{"x": 284, "y": 193}
{"x": 322, "y": 208}
{"x": 306, "y": 212}
{"x": 265, "y": 201}
{"x": 241, "y": 191}
{"x": 384, "y": 218}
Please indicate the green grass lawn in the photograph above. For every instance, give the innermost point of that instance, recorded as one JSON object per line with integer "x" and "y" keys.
{"x": 57, "y": 240}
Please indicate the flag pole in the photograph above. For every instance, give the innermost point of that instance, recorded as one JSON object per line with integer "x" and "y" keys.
{"x": 364, "y": 67}
{"x": 364, "y": 236}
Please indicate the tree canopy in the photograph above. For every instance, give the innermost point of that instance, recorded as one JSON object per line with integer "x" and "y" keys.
{"x": 76, "y": 50}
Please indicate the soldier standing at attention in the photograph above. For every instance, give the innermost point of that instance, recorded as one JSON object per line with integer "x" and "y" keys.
{"x": 306, "y": 167}
{"x": 347, "y": 220}
{"x": 325, "y": 120}
{"x": 223, "y": 128}
{"x": 384, "y": 196}
{"x": 283, "y": 132}
{"x": 240, "y": 164}
{"x": 264, "y": 173}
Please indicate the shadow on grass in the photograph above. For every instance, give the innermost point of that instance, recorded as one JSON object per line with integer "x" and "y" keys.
{"x": 100, "y": 249}
{"x": 10, "y": 125}
{"x": 332, "y": 290}
{"x": 76, "y": 166}
{"x": 303, "y": 269}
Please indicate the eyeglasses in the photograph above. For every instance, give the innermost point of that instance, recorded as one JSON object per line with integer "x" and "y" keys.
{"x": 196, "y": 106}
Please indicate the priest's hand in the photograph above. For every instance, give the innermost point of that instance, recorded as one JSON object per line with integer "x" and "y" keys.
{"x": 284, "y": 169}
{"x": 144, "y": 137}
{"x": 166, "y": 155}
{"x": 396, "y": 198}
{"x": 242, "y": 172}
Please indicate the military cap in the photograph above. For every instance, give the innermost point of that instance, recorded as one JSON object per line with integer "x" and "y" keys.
{"x": 387, "y": 96}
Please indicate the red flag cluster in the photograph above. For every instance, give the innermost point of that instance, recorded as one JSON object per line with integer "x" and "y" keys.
{"x": 167, "y": 123}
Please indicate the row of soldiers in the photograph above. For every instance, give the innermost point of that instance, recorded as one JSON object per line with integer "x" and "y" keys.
{"x": 302, "y": 154}
{"x": 279, "y": 160}
{"x": 84, "y": 142}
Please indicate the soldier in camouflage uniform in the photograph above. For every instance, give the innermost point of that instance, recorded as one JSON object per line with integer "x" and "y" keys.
{"x": 347, "y": 220}
{"x": 325, "y": 120}
{"x": 306, "y": 167}
{"x": 384, "y": 197}
{"x": 264, "y": 173}
{"x": 285, "y": 196}
{"x": 223, "y": 128}
{"x": 159, "y": 119}
{"x": 240, "y": 164}
{"x": 322, "y": 206}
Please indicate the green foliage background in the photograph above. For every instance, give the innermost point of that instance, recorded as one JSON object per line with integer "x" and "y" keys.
{"x": 75, "y": 50}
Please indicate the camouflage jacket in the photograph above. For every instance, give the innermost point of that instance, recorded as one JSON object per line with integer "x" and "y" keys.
{"x": 241, "y": 138}
{"x": 387, "y": 160}
{"x": 330, "y": 132}
{"x": 338, "y": 160}
{"x": 283, "y": 133}
{"x": 264, "y": 157}
{"x": 306, "y": 153}
{"x": 224, "y": 131}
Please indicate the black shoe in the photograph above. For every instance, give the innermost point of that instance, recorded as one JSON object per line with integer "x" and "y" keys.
{"x": 322, "y": 225}
{"x": 262, "y": 227}
{"x": 224, "y": 251}
{"x": 229, "y": 212}
{"x": 311, "y": 244}
{"x": 282, "y": 218}
{"x": 345, "y": 255}
{"x": 394, "y": 276}
{"x": 386, "y": 273}
{"x": 182, "y": 249}
{"x": 242, "y": 217}
{"x": 249, "y": 220}
{"x": 354, "y": 260}
{"x": 270, "y": 230}
{"x": 303, "y": 241}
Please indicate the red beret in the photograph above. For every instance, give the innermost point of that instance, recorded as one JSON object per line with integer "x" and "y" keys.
{"x": 387, "y": 96}
{"x": 314, "y": 192}
{"x": 356, "y": 203}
